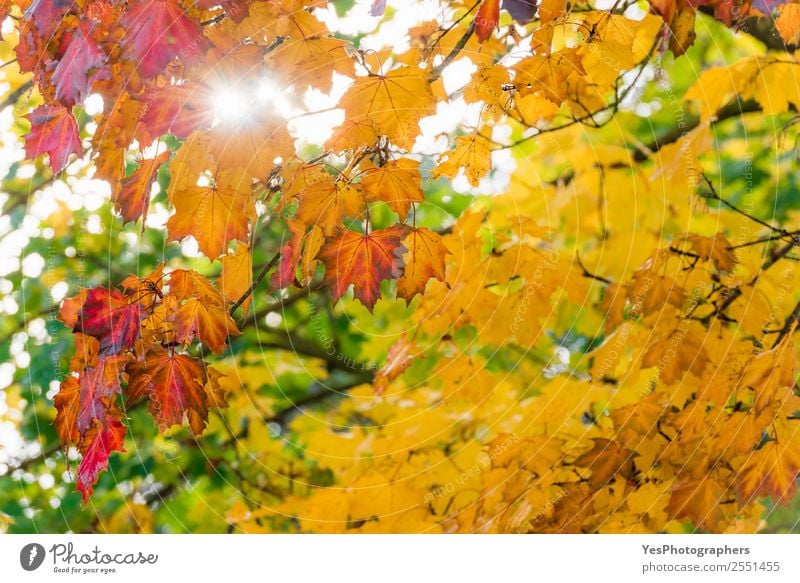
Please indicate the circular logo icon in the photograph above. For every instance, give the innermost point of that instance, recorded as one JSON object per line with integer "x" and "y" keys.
{"x": 31, "y": 556}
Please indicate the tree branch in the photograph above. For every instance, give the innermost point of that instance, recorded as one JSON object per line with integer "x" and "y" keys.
{"x": 256, "y": 281}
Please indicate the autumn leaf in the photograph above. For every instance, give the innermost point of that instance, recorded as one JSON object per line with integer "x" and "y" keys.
{"x": 80, "y": 66}
{"x": 187, "y": 284}
{"x": 364, "y": 261}
{"x": 699, "y": 500}
{"x": 46, "y": 15}
{"x": 486, "y": 19}
{"x": 472, "y": 154}
{"x": 397, "y": 183}
{"x": 157, "y": 31}
{"x": 133, "y": 197}
{"x": 53, "y": 132}
{"x": 401, "y": 355}
{"x": 111, "y": 318}
{"x": 67, "y": 404}
{"x": 315, "y": 58}
{"x": 788, "y": 23}
{"x": 70, "y": 308}
{"x": 771, "y": 471}
{"x": 674, "y": 355}
{"x": 251, "y": 144}
{"x": 211, "y": 324}
{"x": 423, "y": 260}
{"x": 487, "y": 85}
{"x": 106, "y": 436}
{"x": 392, "y": 104}
{"x": 214, "y": 215}
{"x": 87, "y": 349}
{"x": 174, "y": 386}
{"x": 716, "y": 249}
{"x": 175, "y": 109}
{"x": 237, "y": 275}
{"x": 606, "y": 459}
{"x": 99, "y": 386}
{"x": 285, "y": 274}
{"x": 327, "y": 202}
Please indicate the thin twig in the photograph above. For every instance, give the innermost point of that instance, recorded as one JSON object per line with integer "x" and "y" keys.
{"x": 258, "y": 279}
{"x": 589, "y": 274}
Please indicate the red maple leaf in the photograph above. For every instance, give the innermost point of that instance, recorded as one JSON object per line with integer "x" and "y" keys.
{"x": 82, "y": 64}
{"x": 133, "y": 197}
{"x": 47, "y": 15}
{"x": 111, "y": 318}
{"x": 104, "y": 437}
{"x": 364, "y": 261}
{"x": 175, "y": 384}
{"x": 98, "y": 387}
{"x": 284, "y": 276}
{"x": 54, "y": 132}
{"x": 156, "y": 31}
{"x": 176, "y": 110}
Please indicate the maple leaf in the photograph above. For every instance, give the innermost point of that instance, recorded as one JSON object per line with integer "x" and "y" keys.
{"x": 397, "y": 183}
{"x": 87, "y": 349}
{"x": 311, "y": 61}
{"x": 771, "y": 471}
{"x": 173, "y": 109}
{"x": 115, "y": 132}
{"x": 148, "y": 289}
{"x": 716, "y": 249}
{"x": 606, "y": 459}
{"x": 83, "y": 63}
{"x": 788, "y": 23}
{"x": 133, "y": 197}
{"x": 364, "y": 261}
{"x": 210, "y": 323}
{"x": 252, "y": 144}
{"x": 401, "y": 355}
{"x": 214, "y": 215}
{"x": 424, "y": 260}
{"x": 174, "y": 385}
{"x": 110, "y": 317}
{"x": 486, "y": 19}
{"x": 392, "y": 104}
{"x": 186, "y": 284}
{"x": 47, "y": 14}
{"x": 675, "y": 354}
{"x": 106, "y": 436}
{"x": 237, "y": 275}
{"x": 326, "y": 202}
{"x": 285, "y": 274}
{"x": 98, "y": 387}
{"x": 487, "y": 85}
{"x": 67, "y": 404}
{"x": 54, "y": 132}
{"x": 699, "y": 500}
{"x": 157, "y": 31}
{"x": 472, "y": 154}
{"x": 70, "y": 308}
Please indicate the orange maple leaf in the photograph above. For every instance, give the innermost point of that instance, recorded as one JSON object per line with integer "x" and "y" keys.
{"x": 364, "y": 261}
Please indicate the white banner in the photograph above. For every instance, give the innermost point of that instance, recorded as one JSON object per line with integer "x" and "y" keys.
{"x": 400, "y": 558}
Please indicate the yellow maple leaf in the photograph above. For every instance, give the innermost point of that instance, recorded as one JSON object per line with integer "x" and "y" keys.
{"x": 472, "y": 154}
{"x": 214, "y": 214}
{"x": 392, "y": 104}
